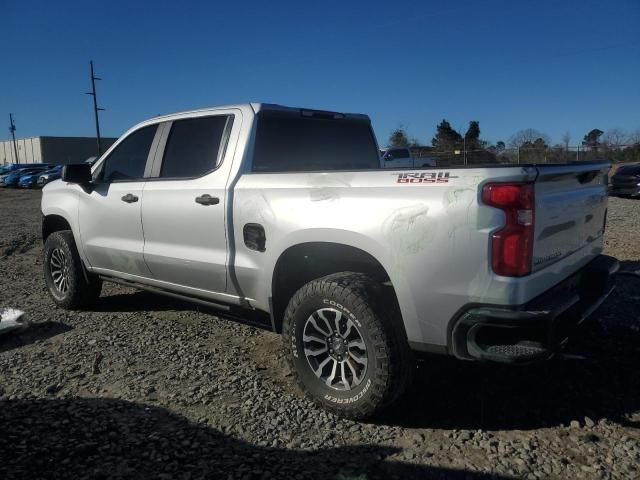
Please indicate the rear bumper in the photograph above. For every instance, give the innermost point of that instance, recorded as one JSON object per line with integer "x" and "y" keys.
{"x": 538, "y": 329}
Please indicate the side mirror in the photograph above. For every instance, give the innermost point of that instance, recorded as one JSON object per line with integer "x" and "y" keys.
{"x": 77, "y": 173}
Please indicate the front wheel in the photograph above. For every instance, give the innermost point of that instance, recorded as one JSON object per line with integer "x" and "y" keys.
{"x": 69, "y": 285}
{"x": 347, "y": 351}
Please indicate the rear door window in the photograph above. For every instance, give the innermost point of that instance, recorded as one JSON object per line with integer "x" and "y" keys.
{"x": 290, "y": 142}
{"x": 194, "y": 146}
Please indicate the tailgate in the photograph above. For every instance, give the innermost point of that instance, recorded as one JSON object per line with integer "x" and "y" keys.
{"x": 571, "y": 204}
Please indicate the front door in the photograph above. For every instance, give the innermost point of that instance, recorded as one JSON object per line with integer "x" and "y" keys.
{"x": 110, "y": 215}
{"x": 183, "y": 212}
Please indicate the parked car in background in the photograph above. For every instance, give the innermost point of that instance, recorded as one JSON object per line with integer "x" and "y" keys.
{"x": 4, "y": 169}
{"x": 49, "y": 176}
{"x": 10, "y": 167}
{"x": 12, "y": 179}
{"x": 400, "y": 157}
{"x": 626, "y": 181}
{"x": 8, "y": 170}
{"x": 30, "y": 179}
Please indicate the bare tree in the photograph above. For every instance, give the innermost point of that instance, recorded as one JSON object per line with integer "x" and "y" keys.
{"x": 615, "y": 138}
{"x": 528, "y": 136}
{"x": 566, "y": 138}
{"x": 634, "y": 137}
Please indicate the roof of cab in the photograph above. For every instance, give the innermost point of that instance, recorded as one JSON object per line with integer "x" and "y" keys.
{"x": 256, "y": 107}
{"x": 261, "y": 107}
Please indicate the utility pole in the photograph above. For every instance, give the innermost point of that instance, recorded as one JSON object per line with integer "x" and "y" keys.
{"x": 12, "y": 129}
{"x": 95, "y": 106}
{"x": 465, "y": 150}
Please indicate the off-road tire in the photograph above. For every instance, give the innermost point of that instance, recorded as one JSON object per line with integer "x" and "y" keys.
{"x": 82, "y": 287}
{"x": 390, "y": 361}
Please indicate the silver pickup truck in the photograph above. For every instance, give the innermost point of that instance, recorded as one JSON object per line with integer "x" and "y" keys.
{"x": 285, "y": 216}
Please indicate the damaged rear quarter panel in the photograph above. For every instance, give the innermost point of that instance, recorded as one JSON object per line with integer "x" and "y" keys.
{"x": 429, "y": 233}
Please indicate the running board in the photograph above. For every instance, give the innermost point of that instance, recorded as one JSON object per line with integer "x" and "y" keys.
{"x": 256, "y": 318}
{"x": 162, "y": 291}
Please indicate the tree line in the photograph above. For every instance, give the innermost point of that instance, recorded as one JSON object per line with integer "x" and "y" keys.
{"x": 448, "y": 139}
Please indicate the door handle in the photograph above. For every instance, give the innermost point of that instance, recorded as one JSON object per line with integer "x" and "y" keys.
{"x": 207, "y": 199}
{"x": 129, "y": 198}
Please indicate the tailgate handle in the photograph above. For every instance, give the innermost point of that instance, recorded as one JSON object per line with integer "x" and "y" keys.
{"x": 586, "y": 177}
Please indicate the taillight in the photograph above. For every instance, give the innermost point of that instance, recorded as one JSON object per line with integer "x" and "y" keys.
{"x": 512, "y": 245}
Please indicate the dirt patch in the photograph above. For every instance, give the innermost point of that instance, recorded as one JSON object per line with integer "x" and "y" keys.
{"x": 150, "y": 387}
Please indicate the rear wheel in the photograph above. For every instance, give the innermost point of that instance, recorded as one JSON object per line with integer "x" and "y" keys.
{"x": 69, "y": 285}
{"x": 347, "y": 351}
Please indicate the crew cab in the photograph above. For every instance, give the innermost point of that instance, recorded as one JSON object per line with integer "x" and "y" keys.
{"x": 401, "y": 157}
{"x": 285, "y": 216}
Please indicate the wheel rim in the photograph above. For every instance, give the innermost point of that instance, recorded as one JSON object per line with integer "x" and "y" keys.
{"x": 59, "y": 268}
{"x": 335, "y": 349}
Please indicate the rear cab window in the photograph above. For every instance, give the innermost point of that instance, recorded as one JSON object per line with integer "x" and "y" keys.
{"x": 293, "y": 142}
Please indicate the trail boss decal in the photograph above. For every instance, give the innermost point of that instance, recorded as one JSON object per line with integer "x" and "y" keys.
{"x": 424, "y": 177}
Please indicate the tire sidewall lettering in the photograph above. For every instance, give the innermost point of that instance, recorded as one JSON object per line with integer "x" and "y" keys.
{"x": 353, "y": 399}
{"x": 294, "y": 343}
{"x": 334, "y": 304}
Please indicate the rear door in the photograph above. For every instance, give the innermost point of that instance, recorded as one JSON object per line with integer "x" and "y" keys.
{"x": 571, "y": 205}
{"x": 183, "y": 212}
{"x": 110, "y": 222}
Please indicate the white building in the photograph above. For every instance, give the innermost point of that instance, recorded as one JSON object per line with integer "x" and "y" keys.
{"x": 57, "y": 150}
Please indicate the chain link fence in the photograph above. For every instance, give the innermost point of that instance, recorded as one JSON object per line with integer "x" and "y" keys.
{"x": 525, "y": 155}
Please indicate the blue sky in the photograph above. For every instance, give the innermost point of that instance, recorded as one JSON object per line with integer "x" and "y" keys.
{"x": 550, "y": 65}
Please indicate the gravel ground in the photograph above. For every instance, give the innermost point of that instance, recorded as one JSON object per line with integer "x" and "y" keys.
{"x": 150, "y": 387}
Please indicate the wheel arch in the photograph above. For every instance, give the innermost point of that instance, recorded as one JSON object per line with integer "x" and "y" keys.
{"x": 53, "y": 223}
{"x": 307, "y": 261}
